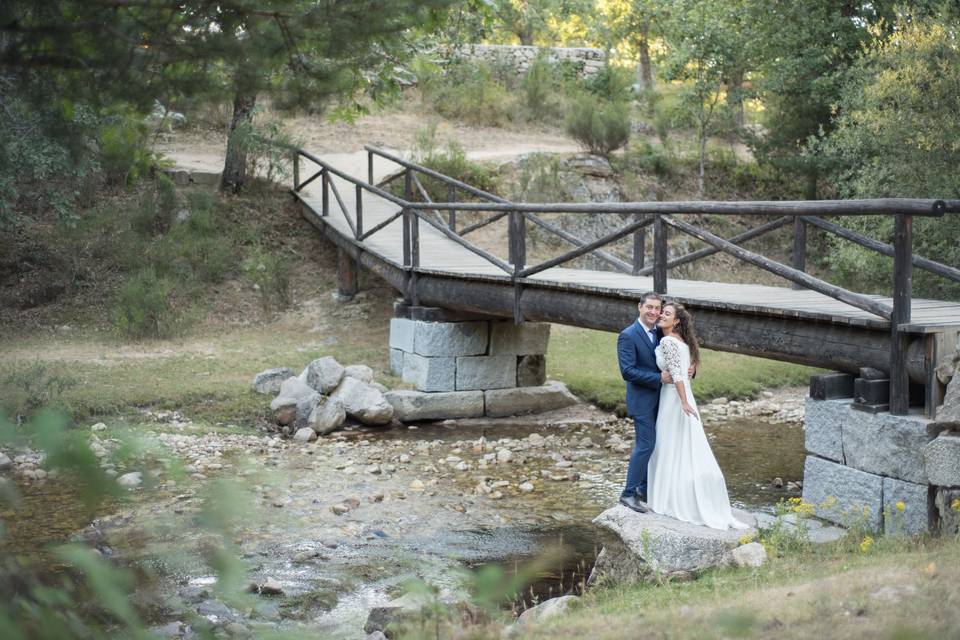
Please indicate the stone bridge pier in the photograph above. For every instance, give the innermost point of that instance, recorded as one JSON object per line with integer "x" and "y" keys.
{"x": 468, "y": 365}
{"x": 897, "y": 474}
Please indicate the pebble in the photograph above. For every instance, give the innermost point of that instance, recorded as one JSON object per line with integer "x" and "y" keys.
{"x": 504, "y": 455}
{"x": 130, "y": 480}
{"x": 526, "y": 487}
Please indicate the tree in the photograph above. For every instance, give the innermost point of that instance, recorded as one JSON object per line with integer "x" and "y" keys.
{"x": 635, "y": 24}
{"x": 704, "y": 47}
{"x": 896, "y": 136}
{"x": 300, "y": 52}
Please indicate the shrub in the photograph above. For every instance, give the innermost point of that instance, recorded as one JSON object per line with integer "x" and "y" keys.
{"x": 599, "y": 126}
{"x": 451, "y": 160}
{"x": 540, "y": 91}
{"x": 124, "y": 154}
{"x": 268, "y": 147}
{"x": 610, "y": 83}
{"x": 271, "y": 275}
{"x": 469, "y": 92}
{"x": 37, "y": 386}
{"x": 144, "y": 307}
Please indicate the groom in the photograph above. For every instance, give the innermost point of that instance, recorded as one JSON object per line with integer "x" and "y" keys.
{"x": 638, "y": 366}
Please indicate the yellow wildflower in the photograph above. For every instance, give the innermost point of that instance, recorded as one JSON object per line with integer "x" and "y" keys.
{"x": 900, "y": 505}
{"x": 830, "y": 501}
{"x": 865, "y": 544}
{"x": 747, "y": 538}
{"x": 955, "y": 505}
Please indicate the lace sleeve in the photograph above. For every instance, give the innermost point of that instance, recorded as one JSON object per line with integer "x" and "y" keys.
{"x": 671, "y": 355}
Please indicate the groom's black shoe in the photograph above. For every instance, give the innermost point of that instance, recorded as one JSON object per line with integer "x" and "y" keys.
{"x": 635, "y": 502}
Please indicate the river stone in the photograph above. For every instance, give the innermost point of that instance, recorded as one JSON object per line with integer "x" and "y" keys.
{"x": 884, "y": 444}
{"x": 486, "y": 372}
{"x": 359, "y": 371}
{"x": 323, "y": 374}
{"x": 363, "y": 402}
{"x": 429, "y": 374}
{"x": 546, "y": 609}
{"x": 752, "y": 554}
{"x": 450, "y": 339}
{"x": 269, "y": 381}
{"x": 130, "y": 480}
{"x": 948, "y": 414}
{"x": 822, "y": 427}
{"x": 638, "y": 546}
{"x": 942, "y": 459}
{"x": 5, "y": 462}
{"x": 295, "y": 403}
{"x": 842, "y": 494}
{"x": 917, "y": 507}
{"x": 411, "y": 405}
{"x": 529, "y": 338}
{"x": 304, "y": 435}
{"x": 215, "y": 611}
{"x": 327, "y": 416}
{"x": 521, "y": 400}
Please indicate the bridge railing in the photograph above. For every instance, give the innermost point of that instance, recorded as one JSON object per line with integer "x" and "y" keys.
{"x": 417, "y": 205}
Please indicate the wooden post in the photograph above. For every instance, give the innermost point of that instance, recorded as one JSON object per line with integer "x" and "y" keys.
{"x": 326, "y": 194}
{"x": 902, "y": 293}
{"x": 799, "y": 246}
{"x": 516, "y": 235}
{"x": 346, "y": 276}
{"x": 452, "y": 214}
{"x": 639, "y": 246}
{"x": 359, "y": 211}
{"x": 369, "y": 167}
{"x": 296, "y": 170}
{"x": 659, "y": 255}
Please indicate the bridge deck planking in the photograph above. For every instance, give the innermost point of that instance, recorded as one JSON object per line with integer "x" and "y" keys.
{"x": 439, "y": 253}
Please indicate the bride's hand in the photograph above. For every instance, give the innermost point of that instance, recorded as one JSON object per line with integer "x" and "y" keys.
{"x": 690, "y": 411}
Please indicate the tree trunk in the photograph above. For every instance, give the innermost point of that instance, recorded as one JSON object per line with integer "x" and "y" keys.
{"x": 701, "y": 188}
{"x": 646, "y": 67}
{"x": 235, "y": 167}
{"x": 735, "y": 98}
{"x": 810, "y": 192}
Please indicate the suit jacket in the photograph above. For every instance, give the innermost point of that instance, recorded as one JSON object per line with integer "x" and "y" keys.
{"x": 638, "y": 367}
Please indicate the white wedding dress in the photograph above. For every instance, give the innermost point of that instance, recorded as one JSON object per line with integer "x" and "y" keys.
{"x": 685, "y": 481}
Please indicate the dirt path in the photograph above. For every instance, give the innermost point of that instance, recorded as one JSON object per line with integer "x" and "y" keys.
{"x": 203, "y": 150}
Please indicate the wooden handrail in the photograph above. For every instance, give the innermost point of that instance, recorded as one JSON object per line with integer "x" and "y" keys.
{"x": 709, "y": 251}
{"x": 480, "y": 193}
{"x": 609, "y": 258}
{"x": 857, "y": 300}
{"x": 882, "y": 206}
{"x": 587, "y": 248}
{"x": 442, "y": 228}
{"x": 883, "y": 248}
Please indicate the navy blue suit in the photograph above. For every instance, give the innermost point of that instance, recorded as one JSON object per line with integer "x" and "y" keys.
{"x": 638, "y": 366}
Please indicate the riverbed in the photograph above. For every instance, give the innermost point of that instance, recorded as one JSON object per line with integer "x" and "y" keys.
{"x": 343, "y": 524}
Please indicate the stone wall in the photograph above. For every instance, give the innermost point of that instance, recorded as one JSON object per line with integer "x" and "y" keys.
{"x": 588, "y": 61}
{"x": 900, "y": 474}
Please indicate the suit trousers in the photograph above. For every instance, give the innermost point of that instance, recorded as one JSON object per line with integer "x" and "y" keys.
{"x": 645, "y": 432}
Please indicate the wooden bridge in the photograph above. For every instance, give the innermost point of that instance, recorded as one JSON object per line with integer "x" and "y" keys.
{"x": 416, "y": 245}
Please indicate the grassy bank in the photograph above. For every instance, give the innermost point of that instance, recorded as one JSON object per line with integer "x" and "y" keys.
{"x": 893, "y": 588}
{"x": 586, "y": 361}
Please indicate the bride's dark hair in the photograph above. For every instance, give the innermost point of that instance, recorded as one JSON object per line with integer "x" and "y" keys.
{"x": 684, "y": 327}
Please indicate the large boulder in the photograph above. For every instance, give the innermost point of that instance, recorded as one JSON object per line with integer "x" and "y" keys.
{"x": 546, "y": 609}
{"x": 294, "y": 404}
{"x": 269, "y": 381}
{"x": 323, "y": 374}
{"x": 640, "y": 546}
{"x": 359, "y": 371}
{"x": 948, "y": 415}
{"x": 327, "y": 416}
{"x": 363, "y": 402}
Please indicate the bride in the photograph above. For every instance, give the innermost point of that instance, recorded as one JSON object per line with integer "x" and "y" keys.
{"x": 685, "y": 479}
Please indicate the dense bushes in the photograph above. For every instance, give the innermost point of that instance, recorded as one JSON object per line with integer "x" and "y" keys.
{"x": 599, "y": 126}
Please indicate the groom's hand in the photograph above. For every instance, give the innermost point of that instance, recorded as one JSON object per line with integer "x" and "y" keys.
{"x": 665, "y": 377}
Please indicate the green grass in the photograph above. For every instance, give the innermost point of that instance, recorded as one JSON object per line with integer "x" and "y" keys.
{"x": 206, "y": 378}
{"x": 586, "y": 360}
{"x": 825, "y": 592}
